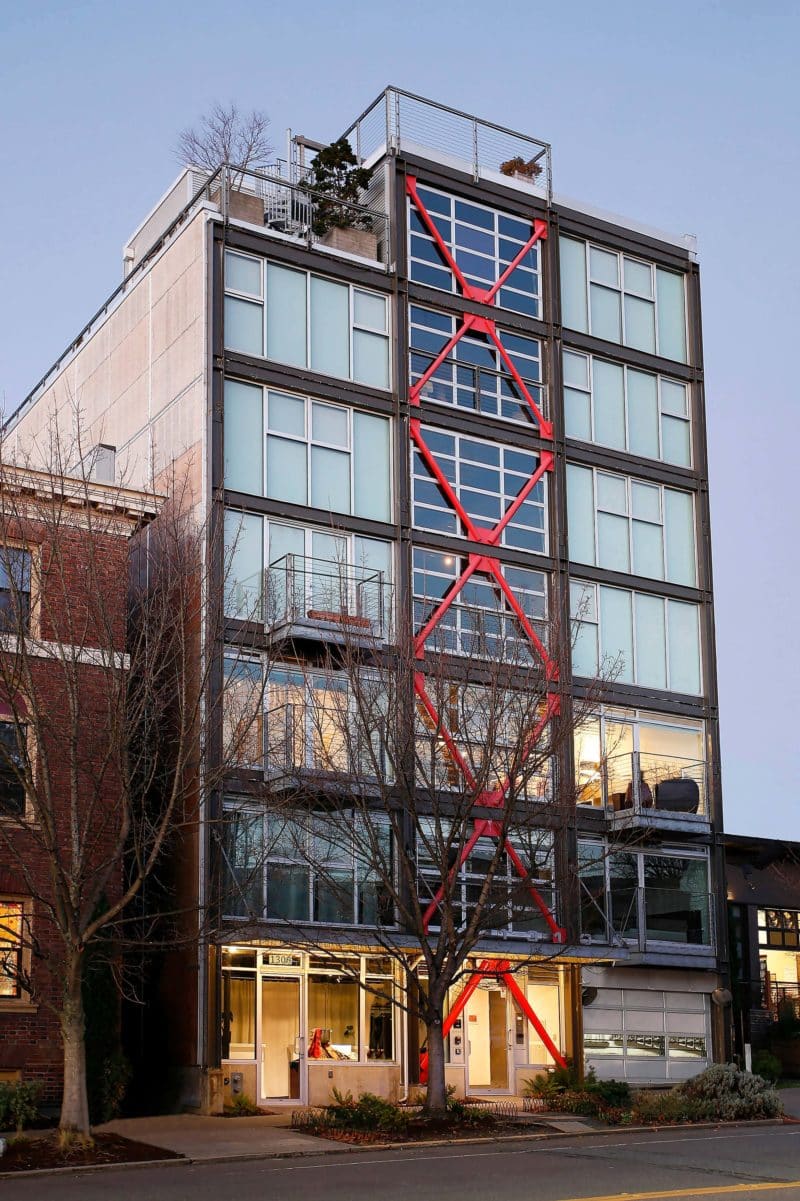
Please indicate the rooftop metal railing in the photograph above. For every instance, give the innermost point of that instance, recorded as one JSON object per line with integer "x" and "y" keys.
{"x": 401, "y": 120}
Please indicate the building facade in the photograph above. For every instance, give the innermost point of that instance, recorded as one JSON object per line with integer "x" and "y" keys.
{"x": 489, "y": 399}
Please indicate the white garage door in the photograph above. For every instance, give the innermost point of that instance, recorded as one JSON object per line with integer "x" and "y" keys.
{"x": 647, "y": 1036}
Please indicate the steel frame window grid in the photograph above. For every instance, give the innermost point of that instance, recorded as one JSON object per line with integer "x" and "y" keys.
{"x": 662, "y": 413}
{"x": 784, "y": 923}
{"x": 482, "y": 563}
{"x": 261, "y": 299}
{"x": 11, "y": 946}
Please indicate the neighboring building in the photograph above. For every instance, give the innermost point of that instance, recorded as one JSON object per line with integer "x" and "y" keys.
{"x": 521, "y": 341}
{"x": 764, "y": 926}
{"x": 49, "y": 564}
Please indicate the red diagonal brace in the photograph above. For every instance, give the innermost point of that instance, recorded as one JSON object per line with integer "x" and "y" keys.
{"x": 528, "y": 1010}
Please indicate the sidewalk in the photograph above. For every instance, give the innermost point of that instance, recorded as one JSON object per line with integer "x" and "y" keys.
{"x": 202, "y": 1138}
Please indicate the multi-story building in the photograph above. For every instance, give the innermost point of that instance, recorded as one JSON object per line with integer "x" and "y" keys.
{"x": 482, "y": 351}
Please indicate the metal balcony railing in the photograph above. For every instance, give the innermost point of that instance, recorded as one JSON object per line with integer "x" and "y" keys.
{"x": 399, "y": 120}
{"x": 648, "y": 784}
{"x": 332, "y": 598}
{"x": 487, "y": 390}
{"x": 316, "y": 735}
{"x": 782, "y": 998}
{"x": 649, "y": 918}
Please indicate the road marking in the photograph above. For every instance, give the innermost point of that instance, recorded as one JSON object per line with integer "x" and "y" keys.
{"x": 713, "y": 1190}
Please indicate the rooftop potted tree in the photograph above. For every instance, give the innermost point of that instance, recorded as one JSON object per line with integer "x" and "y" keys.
{"x": 336, "y": 182}
{"x": 519, "y": 168}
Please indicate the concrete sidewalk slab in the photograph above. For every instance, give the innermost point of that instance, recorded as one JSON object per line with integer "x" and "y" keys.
{"x": 200, "y": 1138}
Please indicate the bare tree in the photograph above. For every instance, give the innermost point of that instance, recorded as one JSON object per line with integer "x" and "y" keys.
{"x": 434, "y": 779}
{"x": 107, "y": 714}
{"x": 226, "y": 135}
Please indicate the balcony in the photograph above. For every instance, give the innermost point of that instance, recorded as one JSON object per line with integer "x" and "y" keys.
{"x": 649, "y": 920}
{"x": 400, "y": 121}
{"x": 314, "y": 738}
{"x": 307, "y": 597}
{"x": 661, "y": 791}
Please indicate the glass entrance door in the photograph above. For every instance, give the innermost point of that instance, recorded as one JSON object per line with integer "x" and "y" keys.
{"x": 488, "y": 1038}
{"x": 282, "y": 1054}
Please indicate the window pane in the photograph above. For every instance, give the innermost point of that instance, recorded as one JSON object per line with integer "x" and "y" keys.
{"x": 576, "y": 370}
{"x": 612, "y": 493}
{"x": 573, "y": 284}
{"x": 369, "y": 310}
{"x": 609, "y": 404}
{"x": 676, "y": 899}
{"x": 640, "y": 324}
{"x": 616, "y": 631}
{"x": 643, "y": 414}
{"x": 372, "y": 479}
{"x": 244, "y": 840}
{"x": 638, "y": 277}
{"x": 577, "y": 415}
{"x": 286, "y": 315}
{"x": 651, "y": 654}
{"x": 585, "y": 658}
{"x": 244, "y": 326}
{"x": 287, "y": 891}
{"x": 330, "y": 479}
{"x": 243, "y": 274}
{"x": 679, "y": 532}
{"x": 673, "y": 398}
{"x": 333, "y": 1013}
{"x": 287, "y": 414}
{"x": 244, "y": 437}
{"x": 645, "y": 502}
{"x": 329, "y": 424}
{"x": 675, "y": 441}
{"x": 286, "y": 470}
{"x": 612, "y": 542}
{"x": 379, "y": 1008}
{"x": 684, "y": 647}
{"x": 244, "y": 562}
{"x": 12, "y": 785}
{"x": 370, "y": 359}
{"x": 330, "y": 327}
{"x": 671, "y": 315}
{"x": 580, "y": 514}
{"x": 603, "y": 267}
{"x": 606, "y": 317}
{"x": 648, "y": 550}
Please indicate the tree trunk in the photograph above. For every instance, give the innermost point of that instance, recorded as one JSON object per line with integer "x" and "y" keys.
{"x": 436, "y": 1102}
{"x": 74, "y": 1101}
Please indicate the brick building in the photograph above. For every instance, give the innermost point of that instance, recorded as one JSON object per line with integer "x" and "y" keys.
{"x": 64, "y": 547}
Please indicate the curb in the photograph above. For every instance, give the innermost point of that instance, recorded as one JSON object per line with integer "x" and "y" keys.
{"x": 356, "y": 1148}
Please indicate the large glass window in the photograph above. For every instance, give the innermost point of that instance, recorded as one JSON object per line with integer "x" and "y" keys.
{"x": 12, "y": 768}
{"x": 306, "y": 320}
{"x": 638, "y": 638}
{"x": 480, "y": 621}
{"x": 652, "y": 897}
{"x": 626, "y": 409}
{"x": 474, "y": 376}
{"x": 487, "y": 479}
{"x": 242, "y": 710}
{"x": 307, "y": 452}
{"x": 11, "y": 921}
{"x": 15, "y": 589}
{"x": 483, "y": 242}
{"x": 629, "y": 525}
{"x": 623, "y": 299}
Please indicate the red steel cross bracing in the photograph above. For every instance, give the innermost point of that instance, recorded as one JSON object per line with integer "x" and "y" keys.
{"x": 482, "y": 564}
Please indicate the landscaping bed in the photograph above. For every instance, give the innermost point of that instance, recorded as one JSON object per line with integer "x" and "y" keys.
{"x": 25, "y": 1154}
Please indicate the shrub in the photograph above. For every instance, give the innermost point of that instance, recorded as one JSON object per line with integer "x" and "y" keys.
{"x": 367, "y": 1113}
{"x": 18, "y": 1104}
{"x": 242, "y": 1106}
{"x": 666, "y": 1107}
{"x": 724, "y": 1092}
{"x": 559, "y": 1080}
{"x": 616, "y": 1094}
{"x": 767, "y": 1065}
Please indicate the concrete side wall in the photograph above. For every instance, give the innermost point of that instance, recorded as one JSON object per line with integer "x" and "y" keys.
{"x": 383, "y": 1079}
{"x": 139, "y": 381}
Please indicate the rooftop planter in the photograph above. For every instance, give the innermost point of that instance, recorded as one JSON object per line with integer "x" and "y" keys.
{"x": 336, "y": 183}
{"x": 518, "y": 168}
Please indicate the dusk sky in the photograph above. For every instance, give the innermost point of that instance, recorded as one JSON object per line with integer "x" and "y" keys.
{"x": 681, "y": 115}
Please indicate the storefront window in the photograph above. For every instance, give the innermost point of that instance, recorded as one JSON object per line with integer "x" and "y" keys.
{"x": 332, "y": 1016}
{"x": 238, "y": 1016}
{"x": 379, "y": 1019}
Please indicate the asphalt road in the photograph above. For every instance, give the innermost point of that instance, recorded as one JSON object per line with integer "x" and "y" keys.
{"x": 716, "y": 1165}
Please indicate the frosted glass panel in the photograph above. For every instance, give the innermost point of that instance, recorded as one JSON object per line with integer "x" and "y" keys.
{"x": 576, "y": 370}
{"x": 369, "y": 310}
{"x": 684, "y": 647}
{"x": 617, "y": 633}
{"x": 612, "y": 542}
{"x": 603, "y": 267}
{"x": 671, "y": 315}
{"x": 648, "y": 550}
{"x": 286, "y": 563}
{"x": 651, "y": 659}
{"x": 329, "y": 424}
{"x": 609, "y": 404}
{"x": 584, "y": 650}
{"x": 243, "y": 274}
{"x": 580, "y": 514}
{"x": 370, "y": 359}
{"x": 643, "y": 414}
{"x": 645, "y": 501}
{"x": 243, "y": 433}
{"x": 244, "y": 326}
{"x": 638, "y": 277}
{"x": 287, "y": 470}
{"x": 673, "y": 398}
{"x": 606, "y": 317}
{"x": 287, "y": 414}
{"x": 679, "y": 526}
{"x": 244, "y": 563}
{"x": 640, "y": 324}
{"x": 372, "y": 482}
{"x": 573, "y": 284}
{"x": 330, "y": 479}
{"x": 577, "y": 415}
{"x": 612, "y": 493}
{"x": 286, "y": 315}
{"x": 330, "y": 327}
{"x": 675, "y": 441}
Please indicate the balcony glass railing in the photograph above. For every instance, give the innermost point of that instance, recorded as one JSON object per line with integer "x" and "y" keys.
{"x": 333, "y": 597}
{"x": 652, "y": 918}
{"x": 641, "y": 783}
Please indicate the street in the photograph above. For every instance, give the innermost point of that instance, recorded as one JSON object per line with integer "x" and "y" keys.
{"x": 674, "y": 1163}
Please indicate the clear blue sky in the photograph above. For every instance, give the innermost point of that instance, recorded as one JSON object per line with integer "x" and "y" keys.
{"x": 684, "y": 115}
